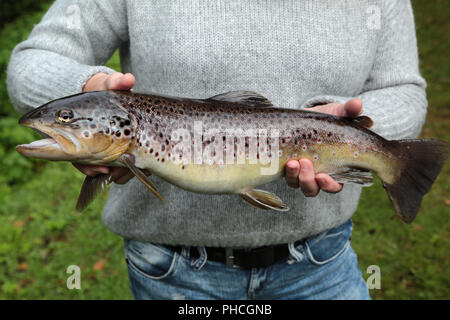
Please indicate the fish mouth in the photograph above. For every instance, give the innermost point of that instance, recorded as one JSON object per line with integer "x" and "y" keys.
{"x": 53, "y": 147}
{"x": 48, "y": 149}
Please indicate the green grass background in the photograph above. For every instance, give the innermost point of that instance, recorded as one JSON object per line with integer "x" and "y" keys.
{"x": 41, "y": 234}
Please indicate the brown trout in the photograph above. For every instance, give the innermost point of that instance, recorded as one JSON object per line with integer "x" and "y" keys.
{"x": 227, "y": 144}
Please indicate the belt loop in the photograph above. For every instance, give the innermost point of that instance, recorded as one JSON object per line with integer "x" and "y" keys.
{"x": 186, "y": 252}
{"x": 229, "y": 257}
{"x": 297, "y": 255}
{"x": 198, "y": 263}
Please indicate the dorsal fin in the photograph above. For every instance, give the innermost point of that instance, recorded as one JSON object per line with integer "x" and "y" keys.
{"x": 363, "y": 121}
{"x": 248, "y": 98}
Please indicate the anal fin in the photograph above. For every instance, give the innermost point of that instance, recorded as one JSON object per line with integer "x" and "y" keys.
{"x": 264, "y": 200}
{"x": 362, "y": 177}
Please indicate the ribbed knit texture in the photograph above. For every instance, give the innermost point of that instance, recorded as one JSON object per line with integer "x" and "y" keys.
{"x": 297, "y": 53}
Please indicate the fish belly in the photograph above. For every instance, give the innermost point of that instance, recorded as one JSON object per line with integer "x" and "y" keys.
{"x": 215, "y": 178}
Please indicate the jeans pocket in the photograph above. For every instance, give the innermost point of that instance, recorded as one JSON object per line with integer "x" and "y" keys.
{"x": 328, "y": 246}
{"x": 150, "y": 260}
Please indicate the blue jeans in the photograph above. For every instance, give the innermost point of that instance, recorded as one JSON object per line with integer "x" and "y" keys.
{"x": 324, "y": 267}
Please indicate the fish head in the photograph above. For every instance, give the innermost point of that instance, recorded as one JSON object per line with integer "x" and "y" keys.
{"x": 90, "y": 128}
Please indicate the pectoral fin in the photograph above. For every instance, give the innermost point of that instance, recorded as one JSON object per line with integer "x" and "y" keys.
{"x": 128, "y": 161}
{"x": 362, "y": 177}
{"x": 91, "y": 187}
{"x": 264, "y": 200}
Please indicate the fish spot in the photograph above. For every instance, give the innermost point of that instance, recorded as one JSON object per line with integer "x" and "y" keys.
{"x": 355, "y": 155}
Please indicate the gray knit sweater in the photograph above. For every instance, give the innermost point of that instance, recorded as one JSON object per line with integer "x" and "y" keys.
{"x": 297, "y": 53}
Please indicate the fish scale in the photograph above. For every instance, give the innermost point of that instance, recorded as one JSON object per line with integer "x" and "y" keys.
{"x": 301, "y": 135}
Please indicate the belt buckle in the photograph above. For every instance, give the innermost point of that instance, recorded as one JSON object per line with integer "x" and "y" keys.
{"x": 229, "y": 258}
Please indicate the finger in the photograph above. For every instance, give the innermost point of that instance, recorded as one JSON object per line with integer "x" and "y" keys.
{"x": 328, "y": 184}
{"x": 307, "y": 179}
{"x": 352, "y": 108}
{"x": 113, "y": 80}
{"x": 124, "y": 178}
{"x": 120, "y": 81}
{"x": 330, "y": 108}
{"x": 127, "y": 81}
{"x": 91, "y": 171}
{"x": 121, "y": 175}
{"x": 117, "y": 172}
{"x": 292, "y": 171}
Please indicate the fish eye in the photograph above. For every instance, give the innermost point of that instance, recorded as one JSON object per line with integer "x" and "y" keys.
{"x": 64, "y": 116}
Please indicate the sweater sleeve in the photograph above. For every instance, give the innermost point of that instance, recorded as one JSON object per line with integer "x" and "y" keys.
{"x": 72, "y": 42}
{"x": 394, "y": 93}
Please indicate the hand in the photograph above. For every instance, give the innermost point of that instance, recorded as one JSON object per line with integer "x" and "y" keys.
{"x": 301, "y": 173}
{"x": 114, "y": 81}
{"x": 103, "y": 81}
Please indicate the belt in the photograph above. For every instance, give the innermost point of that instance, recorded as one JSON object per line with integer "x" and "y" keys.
{"x": 260, "y": 257}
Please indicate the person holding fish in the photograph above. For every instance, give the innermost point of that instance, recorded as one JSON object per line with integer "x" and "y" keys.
{"x": 344, "y": 59}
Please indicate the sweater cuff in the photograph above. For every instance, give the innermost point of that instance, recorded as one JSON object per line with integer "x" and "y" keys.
{"x": 56, "y": 77}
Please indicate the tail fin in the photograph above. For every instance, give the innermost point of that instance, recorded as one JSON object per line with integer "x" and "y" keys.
{"x": 423, "y": 160}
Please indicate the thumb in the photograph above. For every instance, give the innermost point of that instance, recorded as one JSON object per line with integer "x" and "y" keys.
{"x": 352, "y": 108}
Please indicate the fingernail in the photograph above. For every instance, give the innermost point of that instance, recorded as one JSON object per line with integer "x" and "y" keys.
{"x": 304, "y": 167}
{"x": 291, "y": 167}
